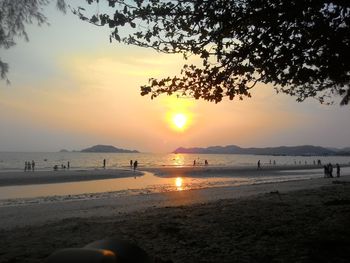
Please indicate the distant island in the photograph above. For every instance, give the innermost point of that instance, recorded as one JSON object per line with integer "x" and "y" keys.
{"x": 304, "y": 150}
{"x": 107, "y": 149}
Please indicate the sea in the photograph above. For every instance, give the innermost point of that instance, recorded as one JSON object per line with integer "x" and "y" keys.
{"x": 148, "y": 183}
{"x": 15, "y": 161}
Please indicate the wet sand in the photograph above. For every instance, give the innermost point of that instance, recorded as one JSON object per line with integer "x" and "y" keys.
{"x": 62, "y": 176}
{"x": 298, "y": 221}
{"x": 227, "y": 171}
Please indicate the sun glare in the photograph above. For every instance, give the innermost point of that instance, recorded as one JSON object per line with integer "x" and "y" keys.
{"x": 179, "y": 183}
{"x": 179, "y": 120}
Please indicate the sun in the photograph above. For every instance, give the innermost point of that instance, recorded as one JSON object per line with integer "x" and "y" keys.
{"x": 179, "y": 120}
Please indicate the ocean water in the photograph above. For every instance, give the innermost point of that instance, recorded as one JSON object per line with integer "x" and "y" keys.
{"x": 14, "y": 161}
{"x": 148, "y": 183}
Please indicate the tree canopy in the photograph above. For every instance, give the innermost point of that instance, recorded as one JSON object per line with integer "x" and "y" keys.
{"x": 14, "y": 16}
{"x": 301, "y": 47}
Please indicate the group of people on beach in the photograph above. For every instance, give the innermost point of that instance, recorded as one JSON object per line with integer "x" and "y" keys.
{"x": 206, "y": 163}
{"x": 328, "y": 170}
{"x": 29, "y": 166}
{"x": 63, "y": 166}
{"x": 133, "y": 164}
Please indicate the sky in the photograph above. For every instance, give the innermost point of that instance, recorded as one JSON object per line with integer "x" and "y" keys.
{"x": 71, "y": 88}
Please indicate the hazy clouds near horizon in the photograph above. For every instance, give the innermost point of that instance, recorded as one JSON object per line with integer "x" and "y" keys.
{"x": 70, "y": 89}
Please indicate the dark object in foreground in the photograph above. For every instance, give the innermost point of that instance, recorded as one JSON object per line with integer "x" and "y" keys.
{"x": 107, "y": 251}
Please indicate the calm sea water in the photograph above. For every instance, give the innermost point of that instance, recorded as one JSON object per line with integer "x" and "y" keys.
{"x": 148, "y": 183}
{"x": 14, "y": 161}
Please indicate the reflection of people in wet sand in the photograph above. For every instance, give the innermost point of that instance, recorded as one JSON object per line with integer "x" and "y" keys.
{"x": 135, "y": 165}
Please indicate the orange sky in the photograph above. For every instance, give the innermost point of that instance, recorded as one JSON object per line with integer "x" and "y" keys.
{"x": 76, "y": 90}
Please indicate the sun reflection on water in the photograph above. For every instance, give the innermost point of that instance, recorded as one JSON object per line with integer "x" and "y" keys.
{"x": 179, "y": 183}
{"x": 178, "y": 160}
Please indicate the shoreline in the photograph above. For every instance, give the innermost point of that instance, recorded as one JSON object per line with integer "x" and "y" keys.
{"x": 302, "y": 221}
{"x": 109, "y": 204}
{"x": 63, "y": 176}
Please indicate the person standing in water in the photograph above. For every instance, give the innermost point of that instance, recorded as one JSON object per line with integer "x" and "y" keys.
{"x": 135, "y": 165}
{"x": 338, "y": 169}
{"x": 104, "y": 163}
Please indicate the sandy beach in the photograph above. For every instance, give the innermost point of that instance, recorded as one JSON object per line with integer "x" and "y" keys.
{"x": 47, "y": 177}
{"x": 296, "y": 221}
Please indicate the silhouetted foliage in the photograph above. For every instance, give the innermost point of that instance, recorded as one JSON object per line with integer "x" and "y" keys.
{"x": 301, "y": 47}
{"x": 14, "y": 16}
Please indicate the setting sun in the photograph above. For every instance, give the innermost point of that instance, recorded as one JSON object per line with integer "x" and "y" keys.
{"x": 180, "y": 120}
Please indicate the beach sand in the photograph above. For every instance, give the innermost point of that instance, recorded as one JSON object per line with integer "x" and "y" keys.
{"x": 297, "y": 221}
{"x": 62, "y": 176}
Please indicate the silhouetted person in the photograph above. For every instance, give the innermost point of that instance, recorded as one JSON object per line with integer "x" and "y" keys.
{"x": 338, "y": 169}
{"x": 259, "y": 164}
{"x": 29, "y": 166}
{"x": 325, "y": 169}
{"x": 130, "y": 163}
{"x": 274, "y": 162}
{"x": 330, "y": 170}
{"x": 104, "y": 163}
{"x": 33, "y": 165}
{"x": 55, "y": 168}
{"x": 68, "y": 165}
{"x": 206, "y": 162}
{"x": 25, "y": 166}
{"x": 135, "y": 165}
{"x": 194, "y": 162}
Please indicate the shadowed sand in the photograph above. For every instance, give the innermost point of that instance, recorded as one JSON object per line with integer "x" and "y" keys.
{"x": 297, "y": 221}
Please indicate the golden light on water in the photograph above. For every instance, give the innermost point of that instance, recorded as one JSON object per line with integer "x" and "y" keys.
{"x": 179, "y": 183}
